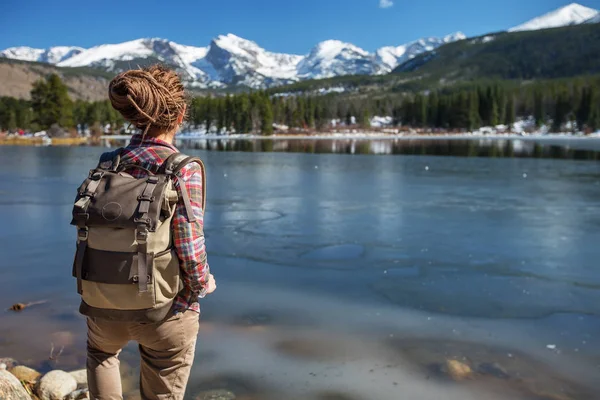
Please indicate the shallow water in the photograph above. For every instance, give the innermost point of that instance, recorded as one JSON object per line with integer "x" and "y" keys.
{"x": 346, "y": 276}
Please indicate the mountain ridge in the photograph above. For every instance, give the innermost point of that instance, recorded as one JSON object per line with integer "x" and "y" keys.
{"x": 230, "y": 60}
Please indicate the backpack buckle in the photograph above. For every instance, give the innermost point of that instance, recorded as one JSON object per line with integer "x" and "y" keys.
{"x": 141, "y": 235}
{"x": 97, "y": 175}
{"x": 152, "y": 179}
{"x": 83, "y": 234}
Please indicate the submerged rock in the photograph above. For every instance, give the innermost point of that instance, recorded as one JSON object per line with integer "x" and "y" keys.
{"x": 80, "y": 377}
{"x": 216, "y": 395}
{"x": 24, "y": 373}
{"x": 457, "y": 370}
{"x": 493, "y": 369}
{"x": 11, "y": 388}
{"x": 55, "y": 385}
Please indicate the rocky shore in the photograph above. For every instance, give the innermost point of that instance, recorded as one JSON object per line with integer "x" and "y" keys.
{"x": 19, "y": 382}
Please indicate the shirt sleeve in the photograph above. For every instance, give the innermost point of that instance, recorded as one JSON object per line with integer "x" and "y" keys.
{"x": 189, "y": 236}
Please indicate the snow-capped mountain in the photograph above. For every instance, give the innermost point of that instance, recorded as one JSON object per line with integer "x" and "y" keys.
{"x": 231, "y": 60}
{"x": 333, "y": 58}
{"x": 228, "y": 60}
{"x": 234, "y": 60}
{"x": 391, "y": 56}
{"x": 573, "y": 14}
{"x": 53, "y": 55}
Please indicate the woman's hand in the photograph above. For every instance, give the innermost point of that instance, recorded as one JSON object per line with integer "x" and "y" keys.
{"x": 212, "y": 284}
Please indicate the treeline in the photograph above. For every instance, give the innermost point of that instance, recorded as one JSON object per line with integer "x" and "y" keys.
{"x": 570, "y": 104}
{"x": 554, "y": 103}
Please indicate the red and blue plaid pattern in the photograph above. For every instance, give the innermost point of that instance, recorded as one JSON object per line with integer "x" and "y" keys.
{"x": 188, "y": 237}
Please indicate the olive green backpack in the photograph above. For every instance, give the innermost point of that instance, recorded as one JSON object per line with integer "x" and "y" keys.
{"x": 125, "y": 264}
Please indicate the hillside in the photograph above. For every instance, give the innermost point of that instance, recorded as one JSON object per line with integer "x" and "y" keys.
{"x": 550, "y": 53}
{"x": 17, "y": 78}
{"x": 544, "y": 54}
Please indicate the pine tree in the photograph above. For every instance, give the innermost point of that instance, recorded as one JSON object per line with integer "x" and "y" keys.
{"x": 474, "y": 119}
{"x": 538, "y": 108}
{"x": 593, "y": 120}
{"x": 12, "y": 120}
{"x": 432, "y": 116}
{"x": 561, "y": 111}
{"x": 366, "y": 119}
{"x": 208, "y": 113}
{"x": 51, "y": 103}
{"x": 420, "y": 110}
{"x": 585, "y": 107}
{"x": 266, "y": 117}
{"x": 348, "y": 117}
{"x": 510, "y": 118}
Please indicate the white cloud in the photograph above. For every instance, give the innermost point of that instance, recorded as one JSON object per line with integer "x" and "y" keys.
{"x": 385, "y": 3}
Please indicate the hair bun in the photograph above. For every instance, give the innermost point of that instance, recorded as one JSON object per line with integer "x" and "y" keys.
{"x": 149, "y": 97}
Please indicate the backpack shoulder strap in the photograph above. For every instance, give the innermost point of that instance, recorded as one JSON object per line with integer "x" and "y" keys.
{"x": 110, "y": 160}
{"x": 172, "y": 166}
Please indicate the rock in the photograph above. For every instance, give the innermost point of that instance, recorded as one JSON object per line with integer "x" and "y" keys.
{"x": 2, "y": 366}
{"x": 24, "y": 373}
{"x": 79, "y": 394}
{"x": 457, "y": 370}
{"x": 216, "y": 395}
{"x": 80, "y": 377}
{"x": 9, "y": 362}
{"x": 11, "y": 388}
{"x": 55, "y": 385}
{"x": 493, "y": 369}
{"x": 17, "y": 307}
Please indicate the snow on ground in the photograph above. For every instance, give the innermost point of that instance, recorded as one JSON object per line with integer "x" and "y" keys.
{"x": 379, "y": 122}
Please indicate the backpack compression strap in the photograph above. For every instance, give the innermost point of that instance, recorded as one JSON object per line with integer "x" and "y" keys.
{"x": 172, "y": 166}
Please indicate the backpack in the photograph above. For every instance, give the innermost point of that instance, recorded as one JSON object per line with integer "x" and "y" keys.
{"x": 125, "y": 263}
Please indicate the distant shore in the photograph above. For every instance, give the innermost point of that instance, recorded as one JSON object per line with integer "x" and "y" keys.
{"x": 107, "y": 139}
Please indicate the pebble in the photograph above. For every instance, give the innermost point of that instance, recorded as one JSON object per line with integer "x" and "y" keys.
{"x": 457, "y": 370}
{"x": 551, "y": 346}
{"x": 78, "y": 395}
{"x": 55, "y": 385}
{"x": 11, "y": 388}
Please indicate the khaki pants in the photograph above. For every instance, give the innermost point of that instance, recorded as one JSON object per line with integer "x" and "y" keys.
{"x": 166, "y": 348}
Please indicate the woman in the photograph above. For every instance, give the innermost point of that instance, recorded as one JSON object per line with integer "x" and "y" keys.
{"x": 153, "y": 100}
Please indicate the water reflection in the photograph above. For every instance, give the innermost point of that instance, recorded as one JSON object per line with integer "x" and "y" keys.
{"x": 449, "y": 147}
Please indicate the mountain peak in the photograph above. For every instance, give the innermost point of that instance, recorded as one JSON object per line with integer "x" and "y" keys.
{"x": 572, "y": 14}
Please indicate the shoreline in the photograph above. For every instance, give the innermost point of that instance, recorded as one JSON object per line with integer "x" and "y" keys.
{"x": 104, "y": 140}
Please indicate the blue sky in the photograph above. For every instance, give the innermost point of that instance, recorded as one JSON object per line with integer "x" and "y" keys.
{"x": 278, "y": 25}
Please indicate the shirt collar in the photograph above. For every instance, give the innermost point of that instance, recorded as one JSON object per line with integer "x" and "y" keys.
{"x": 149, "y": 141}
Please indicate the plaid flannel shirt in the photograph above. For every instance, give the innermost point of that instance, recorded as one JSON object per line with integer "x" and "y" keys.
{"x": 188, "y": 237}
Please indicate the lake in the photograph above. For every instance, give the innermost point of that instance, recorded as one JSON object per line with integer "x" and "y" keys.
{"x": 347, "y": 276}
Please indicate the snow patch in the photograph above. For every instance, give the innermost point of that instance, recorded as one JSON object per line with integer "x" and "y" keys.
{"x": 573, "y": 14}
